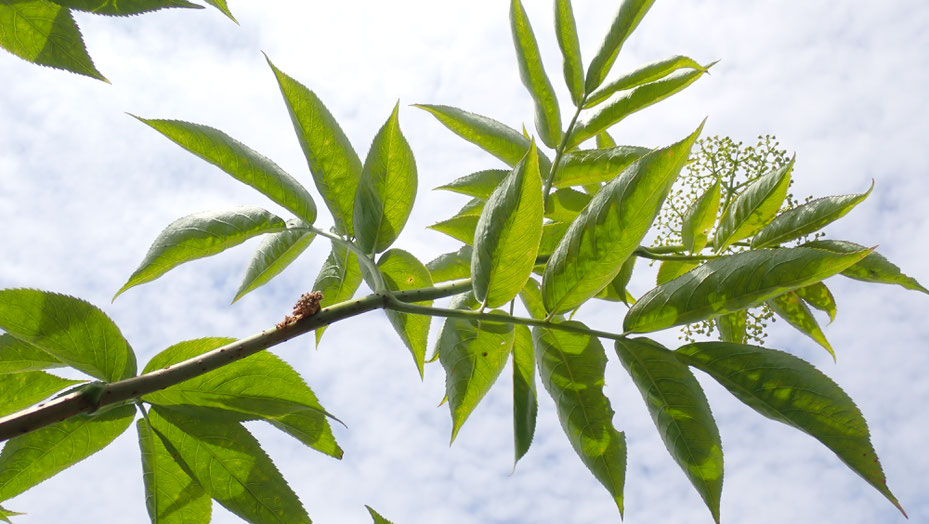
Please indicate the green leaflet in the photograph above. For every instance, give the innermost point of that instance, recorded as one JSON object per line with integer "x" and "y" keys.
{"x": 73, "y": 331}
{"x": 17, "y": 356}
{"x": 681, "y": 413}
{"x": 525, "y": 403}
{"x": 5, "y": 515}
{"x": 461, "y": 227}
{"x": 45, "y": 33}
{"x": 565, "y": 204}
{"x": 21, "y": 390}
{"x": 627, "y": 19}
{"x": 274, "y": 254}
{"x": 754, "y": 207}
{"x": 402, "y": 271}
{"x": 378, "y": 519}
{"x": 124, "y": 7}
{"x": 629, "y": 102}
{"x": 338, "y": 280}
{"x": 29, "y": 459}
{"x": 532, "y": 73}
{"x": 806, "y": 218}
{"x": 592, "y": 166}
{"x": 616, "y": 291}
{"x": 644, "y": 74}
{"x": 202, "y": 235}
{"x": 671, "y": 269}
{"x": 731, "y": 283}
{"x": 241, "y": 162}
{"x": 791, "y": 308}
{"x": 260, "y": 386}
{"x": 699, "y": 219}
{"x": 566, "y": 33}
{"x": 228, "y": 463}
{"x": 604, "y": 141}
{"x": 223, "y": 8}
{"x": 479, "y": 185}
{"x": 572, "y": 366}
{"x": 611, "y": 227}
{"x": 333, "y": 162}
{"x": 506, "y": 240}
{"x": 787, "y": 389}
{"x": 473, "y": 354}
{"x": 171, "y": 496}
{"x": 451, "y": 266}
{"x": 873, "y": 268}
{"x": 732, "y": 326}
{"x": 819, "y": 296}
{"x": 531, "y": 297}
{"x": 552, "y": 233}
{"x": 386, "y": 190}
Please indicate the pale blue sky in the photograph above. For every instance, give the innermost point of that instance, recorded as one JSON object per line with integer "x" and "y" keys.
{"x": 84, "y": 189}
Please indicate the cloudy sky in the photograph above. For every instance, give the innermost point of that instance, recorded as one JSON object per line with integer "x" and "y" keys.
{"x": 84, "y": 189}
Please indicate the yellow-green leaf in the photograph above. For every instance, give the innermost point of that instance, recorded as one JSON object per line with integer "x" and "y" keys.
{"x": 124, "y": 7}
{"x": 274, "y": 254}
{"x": 671, "y": 269}
{"x": 525, "y": 403}
{"x": 593, "y": 166}
{"x": 532, "y": 72}
{"x": 754, "y": 207}
{"x": 818, "y": 296}
{"x": 402, "y": 271}
{"x": 338, "y": 279}
{"x": 732, "y": 326}
{"x": 451, "y": 266}
{"x": 644, "y": 74}
{"x": 17, "y": 356}
{"x": 21, "y": 390}
{"x": 566, "y": 33}
{"x": 624, "y": 23}
{"x": 699, "y": 219}
{"x": 806, "y": 218}
{"x": 171, "y": 496}
{"x": 479, "y": 185}
{"x": 791, "y": 308}
{"x": 873, "y": 268}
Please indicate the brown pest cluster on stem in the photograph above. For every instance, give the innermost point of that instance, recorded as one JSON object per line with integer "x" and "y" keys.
{"x": 306, "y": 306}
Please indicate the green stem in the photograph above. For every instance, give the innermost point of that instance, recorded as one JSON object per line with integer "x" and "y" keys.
{"x": 379, "y": 285}
{"x": 559, "y": 152}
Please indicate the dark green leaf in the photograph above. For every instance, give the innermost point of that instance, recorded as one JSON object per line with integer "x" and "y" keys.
{"x": 681, "y": 413}
{"x": 473, "y": 354}
{"x": 274, "y": 254}
{"x": 451, "y": 266}
{"x": 228, "y": 463}
{"x": 525, "y": 404}
{"x": 124, "y": 7}
{"x": 75, "y": 332}
{"x": 629, "y": 102}
{"x": 627, "y": 19}
{"x": 592, "y": 166}
{"x": 532, "y": 72}
{"x": 386, "y": 190}
{"x": 17, "y": 356}
{"x": 202, "y": 235}
{"x": 571, "y": 366}
{"x": 479, "y": 185}
{"x": 241, "y": 162}
{"x": 29, "y": 459}
{"x": 616, "y": 290}
{"x": 644, "y": 74}
{"x": 565, "y": 204}
{"x": 755, "y": 206}
{"x": 21, "y": 390}
{"x": 699, "y": 219}
{"x": 171, "y": 496}
{"x": 260, "y": 386}
{"x": 806, "y": 218}
{"x": 731, "y": 283}
{"x": 819, "y": 296}
{"x": 506, "y": 240}
{"x": 378, "y": 519}
{"x": 338, "y": 280}
{"x": 611, "y": 227}
{"x": 223, "y": 8}
{"x": 732, "y": 326}
{"x": 873, "y": 268}
{"x": 671, "y": 269}
{"x": 460, "y": 228}
{"x": 566, "y": 32}
{"x": 402, "y": 271}
{"x": 791, "y": 308}
{"x": 333, "y": 162}
{"x": 45, "y": 33}
{"x": 790, "y": 390}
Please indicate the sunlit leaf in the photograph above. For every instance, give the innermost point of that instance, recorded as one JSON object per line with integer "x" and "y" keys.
{"x": 228, "y": 462}
{"x": 604, "y": 141}
{"x": 479, "y": 185}
{"x": 506, "y": 240}
{"x": 473, "y": 354}
{"x": 806, "y": 218}
{"x": 333, "y": 162}
{"x": 223, "y": 8}
{"x": 818, "y": 296}
{"x": 571, "y": 366}
{"x": 616, "y": 290}
{"x": 386, "y": 190}
{"x": 671, "y": 269}
{"x": 241, "y": 162}
{"x": 873, "y": 268}
{"x": 754, "y": 207}
{"x": 611, "y": 227}
{"x": 451, "y": 266}
{"x": 124, "y": 7}
{"x": 732, "y": 327}
{"x": 274, "y": 254}
{"x": 531, "y": 297}
{"x": 460, "y": 228}
{"x": 338, "y": 280}
{"x": 628, "y": 102}
{"x": 532, "y": 72}
{"x": 5, "y": 515}
{"x": 791, "y": 308}
{"x": 17, "y": 356}
{"x": 71, "y": 330}
{"x": 402, "y": 271}
{"x": 699, "y": 219}
{"x": 29, "y": 459}
{"x": 525, "y": 403}
{"x": 727, "y": 284}
{"x": 681, "y": 413}
{"x": 592, "y": 166}
{"x": 642, "y": 75}
{"x": 21, "y": 390}
{"x": 566, "y": 32}
{"x": 624, "y": 23}
{"x": 787, "y": 389}
{"x": 202, "y": 235}
{"x": 378, "y": 519}
{"x": 565, "y": 204}
{"x": 552, "y": 233}
{"x": 45, "y": 33}
{"x": 171, "y": 496}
